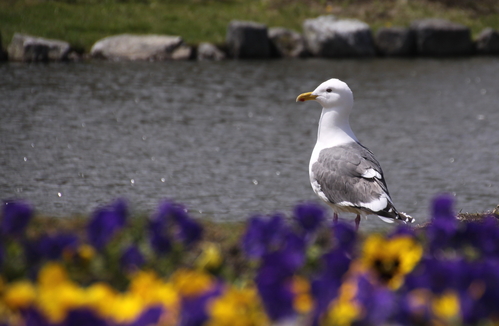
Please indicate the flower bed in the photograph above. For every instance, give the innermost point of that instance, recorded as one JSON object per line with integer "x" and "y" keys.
{"x": 303, "y": 271}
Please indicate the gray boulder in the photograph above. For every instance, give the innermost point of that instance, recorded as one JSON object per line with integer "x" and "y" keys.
{"x": 287, "y": 43}
{"x": 140, "y": 47}
{"x": 247, "y": 40}
{"x": 439, "y": 37}
{"x": 395, "y": 41}
{"x": 208, "y": 51}
{"x": 35, "y": 49}
{"x": 487, "y": 42}
{"x": 327, "y": 36}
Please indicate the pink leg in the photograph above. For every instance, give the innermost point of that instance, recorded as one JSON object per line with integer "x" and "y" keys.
{"x": 357, "y": 223}
{"x": 335, "y": 219}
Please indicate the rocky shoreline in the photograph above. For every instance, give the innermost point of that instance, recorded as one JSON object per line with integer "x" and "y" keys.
{"x": 324, "y": 36}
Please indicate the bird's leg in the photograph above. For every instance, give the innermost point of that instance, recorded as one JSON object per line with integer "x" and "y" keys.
{"x": 335, "y": 219}
{"x": 357, "y": 222}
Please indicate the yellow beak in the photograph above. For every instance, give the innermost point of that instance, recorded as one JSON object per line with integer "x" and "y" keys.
{"x": 306, "y": 97}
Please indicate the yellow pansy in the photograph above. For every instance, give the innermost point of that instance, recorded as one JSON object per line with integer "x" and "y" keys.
{"x": 86, "y": 252}
{"x": 52, "y": 274}
{"x": 99, "y": 297}
{"x": 343, "y": 311}
{"x": 210, "y": 258}
{"x": 125, "y": 307}
{"x": 191, "y": 283}
{"x": 142, "y": 282}
{"x": 237, "y": 307}
{"x": 446, "y": 306}
{"x": 55, "y": 301}
{"x": 391, "y": 259}
{"x": 153, "y": 290}
{"x": 19, "y": 294}
{"x": 302, "y": 302}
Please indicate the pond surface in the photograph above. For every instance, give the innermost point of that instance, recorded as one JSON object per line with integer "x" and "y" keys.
{"x": 228, "y": 140}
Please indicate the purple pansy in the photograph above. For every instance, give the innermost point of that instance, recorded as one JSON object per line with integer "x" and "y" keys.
{"x": 437, "y": 275}
{"x": 480, "y": 291}
{"x": 273, "y": 281}
{"x": 131, "y": 258}
{"x": 194, "y": 309}
{"x": 149, "y": 317}
{"x": 378, "y": 302}
{"x": 16, "y": 216}
{"x": 53, "y": 246}
{"x": 160, "y": 242}
{"x": 325, "y": 286}
{"x": 190, "y": 230}
{"x": 33, "y": 317}
{"x": 483, "y": 235}
{"x": 264, "y": 234}
{"x": 309, "y": 216}
{"x": 32, "y": 252}
{"x": 442, "y": 231}
{"x": 83, "y": 317}
{"x": 345, "y": 236}
{"x": 171, "y": 221}
{"x": 105, "y": 222}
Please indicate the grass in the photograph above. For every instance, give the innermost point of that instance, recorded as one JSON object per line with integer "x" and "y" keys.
{"x": 83, "y": 22}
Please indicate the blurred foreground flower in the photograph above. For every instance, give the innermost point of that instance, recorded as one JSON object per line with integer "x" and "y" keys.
{"x": 15, "y": 217}
{"x": 391, "y": 259}
{"x": 234, "y": 306}
{"x": 211, "y": 257}
{"x": 171, "y": 222}
{"x": 105, "y": 222}
{"x": 131, "y": 258}
{"x": 309, "y": 216}
{"x": 299, "y": 272}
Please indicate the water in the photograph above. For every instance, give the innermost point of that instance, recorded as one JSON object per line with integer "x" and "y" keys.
{"x": 227, "y": 138}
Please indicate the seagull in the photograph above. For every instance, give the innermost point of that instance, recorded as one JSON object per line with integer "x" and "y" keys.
{"x": 343, "y": 172}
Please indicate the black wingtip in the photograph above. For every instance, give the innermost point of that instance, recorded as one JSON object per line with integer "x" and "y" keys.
{"x": 405, "y": 217}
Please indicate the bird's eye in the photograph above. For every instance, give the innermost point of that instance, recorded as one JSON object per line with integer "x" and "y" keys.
{"x": 329, "y": 90}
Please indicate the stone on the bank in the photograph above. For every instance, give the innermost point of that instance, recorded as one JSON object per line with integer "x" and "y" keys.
{"x": 326, "y": 36}
{"x": 29, "y": 48}
{"x": 287, "y": 43}
{"x": 139, "y": 47}
{"x": 487, "y": 42}
{"x": 208, "y": 51}
{"x": 247, "y": 40}
{"x": 395, "y": 41}
{"x": 3, "y": 53}
{"x": 183, "y": 52}
{"x": 440, "y": 37}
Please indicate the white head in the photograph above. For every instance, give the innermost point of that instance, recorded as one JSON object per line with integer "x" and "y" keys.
{"x": 332, "y": 93}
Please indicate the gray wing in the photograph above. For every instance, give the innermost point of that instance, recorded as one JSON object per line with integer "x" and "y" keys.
{"x": 350, "y": 173}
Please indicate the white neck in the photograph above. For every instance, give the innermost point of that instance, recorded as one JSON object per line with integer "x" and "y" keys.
{"x": 334, "y": 128}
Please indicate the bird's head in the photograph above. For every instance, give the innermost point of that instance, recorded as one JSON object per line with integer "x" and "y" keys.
{"x": 332, "y": 93}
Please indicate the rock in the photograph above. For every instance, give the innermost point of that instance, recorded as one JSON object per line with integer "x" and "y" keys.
{"x": 183, "y": 52}
{"x": 208, "y": 51}
{"x": 287, "y": 43}
{"x": 3, "y": 53}
{"x": 395, "y": 41}
{"x": 35, "y": 49}
{"x": 140, "y": 47}
{"x": 248, "y": 40}
{"x": 439, "y": 37}
{"x": 327, "y": 36}
{"x": 487, "y": 42}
